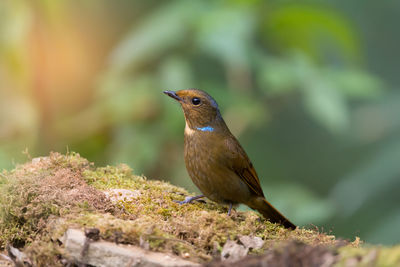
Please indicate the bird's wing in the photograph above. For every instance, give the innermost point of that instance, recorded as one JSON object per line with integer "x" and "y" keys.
{"x": 242, "y": 166}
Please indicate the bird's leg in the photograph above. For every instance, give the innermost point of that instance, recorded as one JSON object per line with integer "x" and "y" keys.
{"x": 230, "y": 209}
{"x": 189, "y": 199}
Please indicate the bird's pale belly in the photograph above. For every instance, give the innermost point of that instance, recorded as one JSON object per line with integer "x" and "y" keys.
{"x": 215, "y": 180}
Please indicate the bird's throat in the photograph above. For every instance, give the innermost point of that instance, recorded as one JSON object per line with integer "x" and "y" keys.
{"x": 189, "y": 131}
{"x": 205, "y": 129}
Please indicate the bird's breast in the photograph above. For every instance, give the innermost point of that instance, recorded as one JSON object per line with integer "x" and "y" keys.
{"x": 201, "y": 157}
{"x": 199, "y": 150}
{"x": 206, "y": 163}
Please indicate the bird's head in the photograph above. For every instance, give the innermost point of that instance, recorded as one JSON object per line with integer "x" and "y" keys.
{"x": 200, "y": 108}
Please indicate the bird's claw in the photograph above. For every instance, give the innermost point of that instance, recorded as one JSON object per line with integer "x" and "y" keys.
{"x": 188, "y": 200}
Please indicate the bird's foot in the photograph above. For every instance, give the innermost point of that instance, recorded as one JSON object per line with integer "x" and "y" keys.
{"x": 230, "y": 209}
{"x": 188, "y": 199}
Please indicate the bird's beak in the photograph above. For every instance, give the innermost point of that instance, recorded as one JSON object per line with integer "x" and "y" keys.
{"x": 173, "y": 95}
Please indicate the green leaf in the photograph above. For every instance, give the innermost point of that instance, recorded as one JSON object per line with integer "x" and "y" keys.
{"x": 226, "y": 33}
{"x": 327, "y": 106}
{"x": 320, "y": 32}
{"x": 277, "y": 76}
{"x": 176, "y": 73}
{"x": 165, "y": 28}
{"x": 356, "y": 83}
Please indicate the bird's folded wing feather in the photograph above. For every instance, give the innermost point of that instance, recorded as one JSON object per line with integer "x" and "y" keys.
{"x": 242, "y": 166}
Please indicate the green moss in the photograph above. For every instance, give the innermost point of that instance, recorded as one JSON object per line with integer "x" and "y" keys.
{"x": 369, "y": 256}
{"x": 41, "y": 199}
{"x": 34, "y": 193}
{"x": 113, "y": 177}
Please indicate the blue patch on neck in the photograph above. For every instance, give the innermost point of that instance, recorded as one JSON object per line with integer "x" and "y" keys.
{"x": 206, "y": 129}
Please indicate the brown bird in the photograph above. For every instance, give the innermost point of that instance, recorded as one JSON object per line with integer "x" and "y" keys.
{"x": 216, "y": 161}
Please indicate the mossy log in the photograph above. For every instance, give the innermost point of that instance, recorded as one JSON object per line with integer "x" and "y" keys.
{"x": 42, "y": 199}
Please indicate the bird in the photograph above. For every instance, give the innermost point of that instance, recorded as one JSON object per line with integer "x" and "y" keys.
{"x": 215, "y": 160}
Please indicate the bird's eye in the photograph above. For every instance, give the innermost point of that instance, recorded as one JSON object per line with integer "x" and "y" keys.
{"x": 196, "y": 101}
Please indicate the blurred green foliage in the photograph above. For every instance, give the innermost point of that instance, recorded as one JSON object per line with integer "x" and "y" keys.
{"x": 298, "y": 82}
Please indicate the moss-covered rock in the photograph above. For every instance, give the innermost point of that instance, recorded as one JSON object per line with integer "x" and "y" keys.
{"x": 41, "y": 199}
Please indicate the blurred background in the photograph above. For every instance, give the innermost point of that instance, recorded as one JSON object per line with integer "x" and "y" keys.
{"x": 310, "y": 88}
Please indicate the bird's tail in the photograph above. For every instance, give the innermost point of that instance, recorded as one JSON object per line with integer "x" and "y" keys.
{"x": 269, "y": 212}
